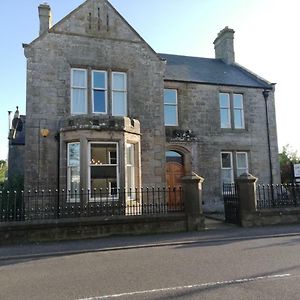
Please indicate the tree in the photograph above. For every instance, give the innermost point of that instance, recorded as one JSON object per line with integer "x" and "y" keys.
{"x": 287, "y": 158}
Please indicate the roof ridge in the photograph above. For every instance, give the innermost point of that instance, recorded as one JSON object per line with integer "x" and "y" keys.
{"x": 210, "y": 58}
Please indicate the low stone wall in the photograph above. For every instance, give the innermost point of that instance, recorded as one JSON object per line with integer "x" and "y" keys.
{"x": 271, "y": 217}
{"x": 84, "y": 228}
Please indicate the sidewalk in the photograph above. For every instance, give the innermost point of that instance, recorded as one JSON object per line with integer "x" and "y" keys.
{"x": 216, "y": 231}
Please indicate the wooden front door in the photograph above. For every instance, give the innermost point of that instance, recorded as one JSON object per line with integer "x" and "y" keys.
{"x": 174, "y": 173}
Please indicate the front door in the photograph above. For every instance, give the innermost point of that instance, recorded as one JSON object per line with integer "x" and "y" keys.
{"x": 174, "y": 173}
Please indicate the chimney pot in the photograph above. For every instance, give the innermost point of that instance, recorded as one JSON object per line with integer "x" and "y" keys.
{"x": 224, "y": 48}
{"x": 45, "y": 17}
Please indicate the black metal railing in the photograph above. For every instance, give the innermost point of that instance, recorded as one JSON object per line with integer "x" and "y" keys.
{"x": 278, "y": 196}
{"x": 49, "y": 204}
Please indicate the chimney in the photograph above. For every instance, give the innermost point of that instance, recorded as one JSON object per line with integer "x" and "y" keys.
{"x": 224, "y": 45}
{"x": 45, "y": 17}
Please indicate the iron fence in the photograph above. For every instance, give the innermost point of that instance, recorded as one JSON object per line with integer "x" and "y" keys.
{"x": 278, "y": 196}
{"x": 49, "y": 204}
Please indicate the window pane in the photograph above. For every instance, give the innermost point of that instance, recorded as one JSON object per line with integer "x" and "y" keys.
{"x": 99, "y": 80}
{"x": 78, "y": 101}
{"x": 130, "y": 183}
{"x": 173, "y": 156}
{"x": 79, "y": 78}
{"x": 227, "y": 176}
{"x": 238, "y": 119}
{"x": 170, "y": 115}
{"x": 225, "y": 118}
{"x": 99, "y": 101}
{"x": 119, "y": 104}
{"x": 74, "y": 174}
{"x": 241, "y": 160}
{"x": 118, "y": 81}
{"x": 130, "y": 169}
{"x": 108, "y": 183}
{"x": 170, "y": 96}
{"x": 238, "y": 101}
{"x": 224, "y": 100}
{"x": 130, "y": 158}
{"x": 226, "y": 160}
{"x": 74, "y": 154}
{"x": 103, "y": 154}
{"x": 102, "y": 172}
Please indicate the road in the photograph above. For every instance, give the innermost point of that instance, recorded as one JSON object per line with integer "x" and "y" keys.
{"x": 260, "y": 268}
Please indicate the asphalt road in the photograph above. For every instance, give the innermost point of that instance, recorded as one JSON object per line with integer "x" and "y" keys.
{"x": 261, "y": 268}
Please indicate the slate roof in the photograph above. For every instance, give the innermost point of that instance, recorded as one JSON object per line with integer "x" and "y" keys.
{"x": 210, "y": 71}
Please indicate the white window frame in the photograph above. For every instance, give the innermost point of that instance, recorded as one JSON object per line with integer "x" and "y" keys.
{"x": 238, "y": 109}
{"x": 110, "y": 196}
{"x": 99, "y": 89}
{"x": 171, "y": 104}
{"x": 226, "y": 168}
{"x": 71, "y": 199}
{"x": 228, "y": 109}
{"x": 237, "y": 166}
{"x": 119, "y": 91}
{"x": 132, "y": 171}
{"x": 79, "y": 87}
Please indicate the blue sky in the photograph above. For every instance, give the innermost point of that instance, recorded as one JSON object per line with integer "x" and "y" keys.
{"x": 266, "y": 42}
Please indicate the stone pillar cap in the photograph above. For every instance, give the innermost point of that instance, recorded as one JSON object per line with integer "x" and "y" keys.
{"x": 247, "y": 177}
{"x": 193, "y": 176}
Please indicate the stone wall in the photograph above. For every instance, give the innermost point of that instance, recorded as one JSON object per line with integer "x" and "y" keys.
{"x": 271, "y": 217}
{"x": 198, "y": 106}
{"x": 76, "y": 41}
{"x": 71, "y": 229}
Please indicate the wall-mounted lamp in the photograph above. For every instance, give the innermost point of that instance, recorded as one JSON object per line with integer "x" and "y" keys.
{"x": 44, "y": 132}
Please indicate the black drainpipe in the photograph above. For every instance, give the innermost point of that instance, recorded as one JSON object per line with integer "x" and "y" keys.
{"x": 57, "y": 138}
{"x": 266, "y": 96}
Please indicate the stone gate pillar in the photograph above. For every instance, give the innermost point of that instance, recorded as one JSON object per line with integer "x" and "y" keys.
{"x": 192, "y": 197}
{"x": 246, "y": 185}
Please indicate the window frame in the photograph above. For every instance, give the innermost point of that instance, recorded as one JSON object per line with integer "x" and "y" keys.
{"x": 171, "y": 105}
{"x": 109, "y": 91}
{"x": 226, "y": 168}
{"x": 131, "y": 196}
{"x": 78, "y": 87}
{"x": 93, "y": 89}
{"x": 110, "y": 195}
{"x": 234, "y": 164}
{"x": 118, "y": 91}
{"x": 238, "y": 109}
{"x": 69, "y": 167}
{"x": 228, "y": 109}
{"x": 247, "y": 162}
{"x": 232, "y": 122}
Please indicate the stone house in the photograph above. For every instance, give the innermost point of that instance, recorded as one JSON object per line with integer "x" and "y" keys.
{"x": 104, "y": 110}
